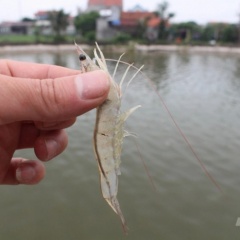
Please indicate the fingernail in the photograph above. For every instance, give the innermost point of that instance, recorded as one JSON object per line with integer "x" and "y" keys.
{"x": 52, "y": 147}
{"x": 25, "y": 174}
{"x": 92, "y": 85}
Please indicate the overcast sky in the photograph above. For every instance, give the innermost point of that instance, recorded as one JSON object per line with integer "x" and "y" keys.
{"x": 201, "y": 11}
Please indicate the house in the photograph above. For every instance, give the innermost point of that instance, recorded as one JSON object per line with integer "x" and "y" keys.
{"x": 113, "y": 20}
{"x": 17, "y": 28}
{"x": 110, "y": 13}
{"x": 153, "y": 28}
{"x": 97, "y": 5}
{"x": 44, "y": 25}
{"x": 41, "y": 15}
{"x": 137, "y": 8}
{"x": 132, "y": 21}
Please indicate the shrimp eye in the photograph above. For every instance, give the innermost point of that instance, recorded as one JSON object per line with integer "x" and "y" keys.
{"x": 82, "y": 57}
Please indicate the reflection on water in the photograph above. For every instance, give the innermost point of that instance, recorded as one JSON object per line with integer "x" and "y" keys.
{"x": 202, "y": 92}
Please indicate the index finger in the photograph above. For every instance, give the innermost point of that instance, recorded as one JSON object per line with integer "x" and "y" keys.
{"x": 34, "y": 70}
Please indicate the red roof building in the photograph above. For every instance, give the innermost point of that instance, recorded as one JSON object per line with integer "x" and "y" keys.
{"x": 154, "y": 22}
{"x": 105, "y": 3}
{"x": 41, "y": 15}
{"x": 132, "y": 18}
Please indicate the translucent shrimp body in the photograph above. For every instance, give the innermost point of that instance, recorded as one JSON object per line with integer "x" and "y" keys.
{"x": 108, "y": 134}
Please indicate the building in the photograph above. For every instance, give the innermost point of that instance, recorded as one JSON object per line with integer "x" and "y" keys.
{"x": 97, "y": 5}
{"x": 41, "y": 15}
{"x": 137, "y": 8}
{"x": 110, "y": 14}
{"x": 114, "y": 20}
{"x": 152, "y": 30}
{"x": 44, "y": 25}
{"x": 17, "y": 28}
{"x": 132, "y": 21}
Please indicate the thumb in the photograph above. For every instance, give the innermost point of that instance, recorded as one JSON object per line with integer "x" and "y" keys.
{"x": 51, "y": 99}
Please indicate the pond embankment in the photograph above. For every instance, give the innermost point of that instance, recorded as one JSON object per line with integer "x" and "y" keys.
{"x": 122, "y": 48}
{"x": 176, "y": 48}
{"x": 37, "y": 48}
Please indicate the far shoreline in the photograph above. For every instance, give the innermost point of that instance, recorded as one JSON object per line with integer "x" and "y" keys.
{"x": 188, "y": 48}
{"x": 121, "y": 48}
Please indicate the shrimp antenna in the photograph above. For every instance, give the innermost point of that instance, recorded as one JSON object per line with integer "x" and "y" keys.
{"x": 135, "y": 74}
{"x": 139, "y": 70}
{"x": 181, "y": 133}
{"x": 99, "y": 61}
{"x": 116, "y": 67}
{"x": 124, "y": 75}
{"x": 101, "y": 55}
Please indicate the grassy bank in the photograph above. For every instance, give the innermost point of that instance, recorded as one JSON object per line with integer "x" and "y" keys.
{"x": 33, "y": 39}
{"x": 22, "y": 39}
{"x": 51, "y": 39}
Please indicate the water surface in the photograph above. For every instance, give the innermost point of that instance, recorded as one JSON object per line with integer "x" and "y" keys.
{"x": 202, "y": 91}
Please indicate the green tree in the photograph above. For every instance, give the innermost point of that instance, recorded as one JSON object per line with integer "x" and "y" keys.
{"x": 59, "y": 23}
{"x": 209, "y": 33}
{"x": 186, "y": 31}
{"x": 222, "y": 32}
{"x": 27, "y": 19}
{"x": 230, "y": 34}
{"x": 165, "y": 16}
{"x": 141, "y": 28}
{"x": 85, "y": 23}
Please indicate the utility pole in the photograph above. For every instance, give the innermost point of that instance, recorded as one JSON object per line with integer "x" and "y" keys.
{"x": 238, "y": 29}
{"x": 20, "y": 9}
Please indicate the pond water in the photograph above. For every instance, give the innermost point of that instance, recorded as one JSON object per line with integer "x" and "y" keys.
{"x": 202, "y": 92}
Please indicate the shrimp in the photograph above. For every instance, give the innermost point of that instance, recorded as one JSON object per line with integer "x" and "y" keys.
{"x": 108, "y": 132}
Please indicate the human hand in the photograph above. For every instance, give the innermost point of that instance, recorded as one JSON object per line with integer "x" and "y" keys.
{"x": 37, "y": 102}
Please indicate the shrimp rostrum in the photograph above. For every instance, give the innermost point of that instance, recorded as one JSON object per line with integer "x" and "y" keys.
{"x": 109, "y": 131}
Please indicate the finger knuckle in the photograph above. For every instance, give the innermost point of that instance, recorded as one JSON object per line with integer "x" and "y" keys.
{"x": 49, "y": 99}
